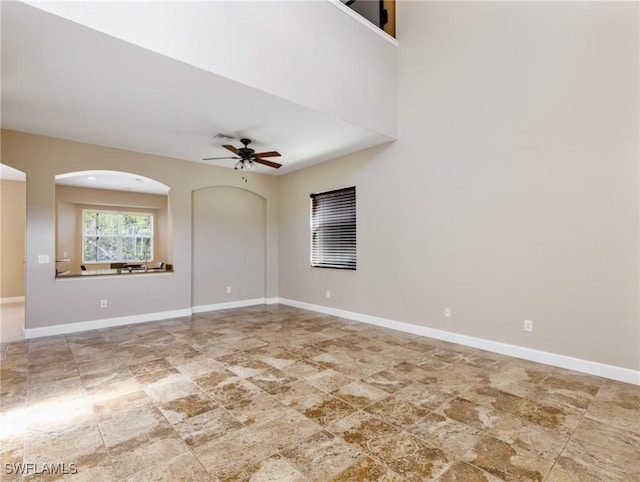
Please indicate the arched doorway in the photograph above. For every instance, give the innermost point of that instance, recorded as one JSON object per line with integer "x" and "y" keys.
{"x": 13, "y": 207}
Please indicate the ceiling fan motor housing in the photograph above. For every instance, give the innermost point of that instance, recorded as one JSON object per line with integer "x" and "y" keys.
{"x": 246, "y": 151}
{"x": 248, "y": 156}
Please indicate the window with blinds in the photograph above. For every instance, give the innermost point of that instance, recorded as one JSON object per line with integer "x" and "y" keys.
{"x": 333, "y": 229}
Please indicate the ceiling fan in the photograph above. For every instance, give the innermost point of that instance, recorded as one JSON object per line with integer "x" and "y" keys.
{"x": 247, "y": 157}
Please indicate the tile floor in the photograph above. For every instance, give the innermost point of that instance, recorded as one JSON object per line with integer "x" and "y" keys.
{"x": 282, "y": 394}
{"x": 11, "y": 322}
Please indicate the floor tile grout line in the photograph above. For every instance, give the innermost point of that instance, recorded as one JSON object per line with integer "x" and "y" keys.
{"x": 128, "y": 367}
{"x": 220, "y": 405}
{"x": 245, "y": 326}
{"x": 321, "y": 427}
{"x": 561, "y": 451}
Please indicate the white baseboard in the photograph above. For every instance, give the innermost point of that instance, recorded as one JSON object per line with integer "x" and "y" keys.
{"x": 15, "y": 299}
{"x": 586, "y": 366}
{"x": 228, "y": 305}
{"x": 104, "y": 323}
{"x": 130, "y": 320}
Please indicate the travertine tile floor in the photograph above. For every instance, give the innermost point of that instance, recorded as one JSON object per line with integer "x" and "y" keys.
{"x": 11, "y": 322}
{"x": 277, "y": 393}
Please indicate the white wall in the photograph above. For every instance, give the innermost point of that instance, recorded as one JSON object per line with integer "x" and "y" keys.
{"x": 512, "y": 192}
{"x": 229, "y": 241}
{"x": 304, "y": 52}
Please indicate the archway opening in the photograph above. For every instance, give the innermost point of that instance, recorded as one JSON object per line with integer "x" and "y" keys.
{"x": 13, "y": 208}
{"x": 109, "y": 217}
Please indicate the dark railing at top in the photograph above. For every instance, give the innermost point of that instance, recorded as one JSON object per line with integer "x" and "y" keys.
{"x": 379, "y": 12}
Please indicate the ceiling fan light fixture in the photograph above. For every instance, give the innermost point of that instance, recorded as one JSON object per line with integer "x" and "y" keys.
{"x": 244, "y": 165}
{"x": 247, "y": 157}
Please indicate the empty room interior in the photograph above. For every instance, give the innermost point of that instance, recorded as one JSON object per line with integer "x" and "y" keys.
{"x": 320, "y": 240}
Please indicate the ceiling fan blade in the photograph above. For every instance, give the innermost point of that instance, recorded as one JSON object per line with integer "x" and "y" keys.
{"x": 216, "y": 158}
{"x": 267, "y": 154}
{"x": 267, "y": 163}
{"x": 233, "y": 149}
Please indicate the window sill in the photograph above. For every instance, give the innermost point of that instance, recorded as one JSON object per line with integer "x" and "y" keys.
{"x": 101, "y": 273}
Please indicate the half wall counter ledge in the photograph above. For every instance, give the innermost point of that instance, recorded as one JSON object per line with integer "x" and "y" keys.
{"x": 127, "y": 270}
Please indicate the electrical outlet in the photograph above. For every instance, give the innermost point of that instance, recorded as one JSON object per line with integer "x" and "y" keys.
{"x": 528, "y": 325}
{"x": 447, "y": 312}
{"x": 327, "y": 294}
{"x": 228, "y": 290}
{"x": 103, "y": 303}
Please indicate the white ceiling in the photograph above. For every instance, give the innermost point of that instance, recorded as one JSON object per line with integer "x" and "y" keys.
{"x": 113, "y": 180}
{"x": 8, "y": 173}
{"x": 65, "y": 80}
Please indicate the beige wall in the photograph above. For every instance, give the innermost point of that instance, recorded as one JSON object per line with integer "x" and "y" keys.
{"x": 51, "y": 302}
{"x": 512, "y": 192}
{"x": 71, "y": 201}
{"x": 12, "y": 224}
{"x": 228, "y": 245}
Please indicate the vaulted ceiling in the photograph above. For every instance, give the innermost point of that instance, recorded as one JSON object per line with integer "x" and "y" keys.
{"x": 66, "y": 80}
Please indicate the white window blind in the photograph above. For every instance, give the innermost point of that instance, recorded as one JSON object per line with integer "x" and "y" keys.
{"x": 333, "y": 229}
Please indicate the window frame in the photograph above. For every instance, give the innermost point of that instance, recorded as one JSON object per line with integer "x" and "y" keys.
{"x": 118, "y": 237}
{"x": 333, "y": 229}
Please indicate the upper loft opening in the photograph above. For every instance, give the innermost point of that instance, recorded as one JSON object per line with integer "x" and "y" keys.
{"x": 381, "y": 13}
{"x": 234, "y": 78}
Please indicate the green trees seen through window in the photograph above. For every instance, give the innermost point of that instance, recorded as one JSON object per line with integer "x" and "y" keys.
{"x": 110, "y": 236}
